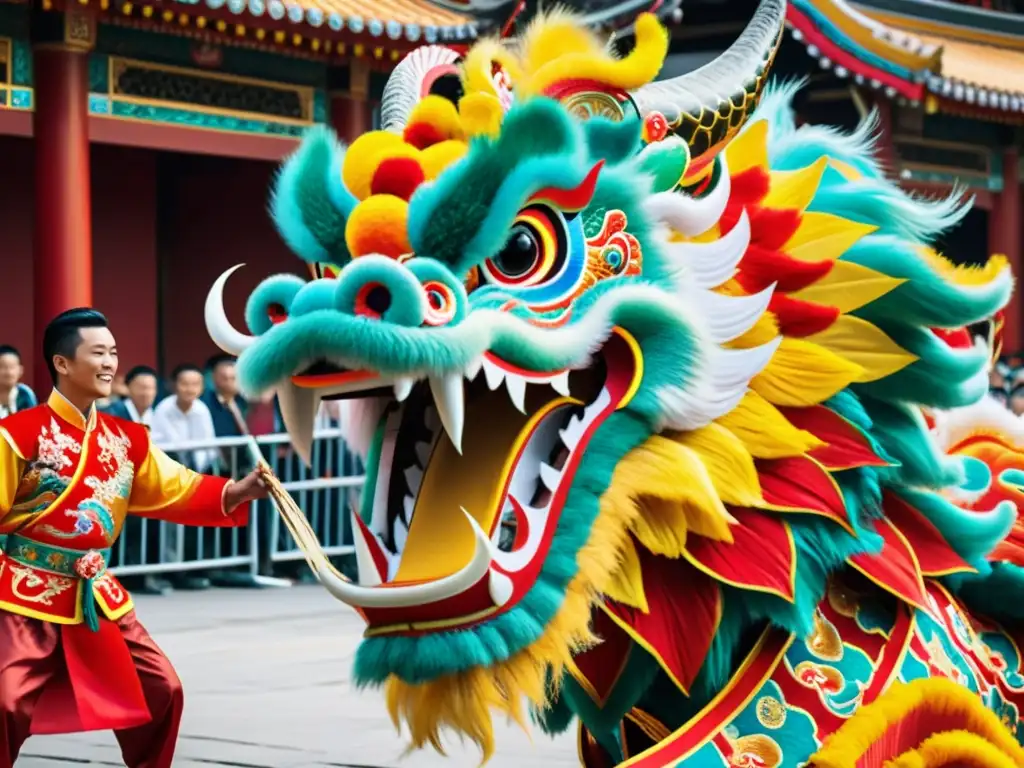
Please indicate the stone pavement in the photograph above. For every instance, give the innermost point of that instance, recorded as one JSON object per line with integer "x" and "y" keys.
{"x": 266, "y": 676}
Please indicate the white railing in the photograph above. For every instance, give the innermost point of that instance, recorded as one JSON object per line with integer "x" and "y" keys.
{"x": 324, "y": 491}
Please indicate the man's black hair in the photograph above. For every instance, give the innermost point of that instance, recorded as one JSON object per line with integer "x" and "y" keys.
{"x": 216, "y": 360}
{"x": 7, "y": 349}
{"x": 185, "y": 368}
{"x": 63, "y": 335}
{"x": 140, "y": 370}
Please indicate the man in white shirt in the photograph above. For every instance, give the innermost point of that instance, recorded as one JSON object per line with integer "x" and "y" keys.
{"x": 179, "y": 418}
{"x": 183, "y": 417}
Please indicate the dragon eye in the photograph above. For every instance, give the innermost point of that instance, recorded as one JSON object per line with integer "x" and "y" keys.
{"x": 533, "y": 253}
{"x": 520, "y": 253}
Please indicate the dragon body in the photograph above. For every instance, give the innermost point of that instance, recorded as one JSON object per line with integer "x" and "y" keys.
{"x": 640, "y": 373}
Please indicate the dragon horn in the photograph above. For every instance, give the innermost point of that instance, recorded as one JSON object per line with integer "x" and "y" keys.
{"x": 411, "y": 80}
{"x": 708, "y": 106}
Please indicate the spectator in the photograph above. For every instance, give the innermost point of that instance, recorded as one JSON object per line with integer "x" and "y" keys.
{"x": 183, "y": 417}
{"x": 141, "y": 384}
{"x": 14, "y": 395}
{"x": 227, "y": 406}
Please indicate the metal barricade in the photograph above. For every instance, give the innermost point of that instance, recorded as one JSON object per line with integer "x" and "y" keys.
{"x": 323, "y": 491}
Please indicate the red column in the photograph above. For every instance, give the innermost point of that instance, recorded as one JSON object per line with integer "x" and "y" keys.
{"x": 885, "y": 148}
{"x": 62, "y": 233}
{"x": 351, "y": 116}
{"x": 351, "y": 110}
{"x": 1004, "y": 236}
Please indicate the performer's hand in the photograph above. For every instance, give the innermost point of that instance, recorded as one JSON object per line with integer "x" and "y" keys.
{"x": 245, "y": 490}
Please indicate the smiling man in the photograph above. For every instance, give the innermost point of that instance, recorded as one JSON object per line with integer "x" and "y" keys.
{"x": 73, "y": 657}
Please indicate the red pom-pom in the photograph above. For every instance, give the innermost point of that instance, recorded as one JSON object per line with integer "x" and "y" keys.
{"x": 423, "y": 135}
{"x": 398, "y": 176}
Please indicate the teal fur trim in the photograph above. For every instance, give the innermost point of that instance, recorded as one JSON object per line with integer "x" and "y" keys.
{"x": 665, "y": 162}
{"x": 316, "y": 296}
{"x": 903, "y": 434}
{"x": 977, "y": 475}
{"x": 988, "y": 594}
{"x": 406, "y": 308}
{"x": 278, "y": 289}
{"x": 926, "y": 298}
{"x": 419, "y": 659}
{"x": 451, "y": 219}
{"x": 922, "y": 381}
{"x": 290, "y": 346}
{"x": 555, "y": 718}
{"x": 613, "y": 142}
{"x": 871, "y": 199}
{"x": 972, "y": 534}
{"x": 941, "y": 377}
{"x": 309, "y": 206}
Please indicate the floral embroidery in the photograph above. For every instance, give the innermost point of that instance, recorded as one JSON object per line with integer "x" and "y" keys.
{"x": 54, "y": 446}
{"x": 95, "y": 510}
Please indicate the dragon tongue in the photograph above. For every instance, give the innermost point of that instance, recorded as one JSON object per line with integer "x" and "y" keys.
{"x": 449, "y": 398}
{"x": 298, "y": 410}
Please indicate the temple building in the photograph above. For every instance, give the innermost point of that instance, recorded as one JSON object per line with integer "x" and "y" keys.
{"x": 139, "y": 139}
{"x": 140, "y": 136}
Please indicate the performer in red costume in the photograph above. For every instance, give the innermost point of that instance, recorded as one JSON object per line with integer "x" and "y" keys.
{"x": 73, "y": 657}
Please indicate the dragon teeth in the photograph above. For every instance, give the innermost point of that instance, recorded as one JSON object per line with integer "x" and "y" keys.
{"x": 449, "y": 397}
{"x": 493, "y": 374}
{"x": 516, "y": 387}
{"x": 473, "y": 369}
{"x": 573, "y": 432}
{"x": 408, "y": 504}
{"x": 403, "y": 386}
{"x": 401, "y": 534}
{"x": 413, "y": 477}
{"x": 560, "y": 383}
{"x": 549, "y": 476}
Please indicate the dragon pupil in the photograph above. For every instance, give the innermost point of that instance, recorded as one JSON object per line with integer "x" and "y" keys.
{"x": 519, "y": 254}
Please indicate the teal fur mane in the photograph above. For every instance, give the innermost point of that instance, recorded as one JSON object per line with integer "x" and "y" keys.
{"x": 942, "y": 377}
{"x": 462, "y": 220}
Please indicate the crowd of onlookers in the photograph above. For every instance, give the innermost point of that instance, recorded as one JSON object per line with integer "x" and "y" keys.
{"x": 194, "y": 405}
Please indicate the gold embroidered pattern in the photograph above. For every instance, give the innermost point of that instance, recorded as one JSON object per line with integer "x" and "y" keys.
{"x": 110, "y": 589}
{"x": 52, "y": 585}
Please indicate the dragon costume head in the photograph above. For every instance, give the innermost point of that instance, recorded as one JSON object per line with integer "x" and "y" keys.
{"x": 604, "y": 343}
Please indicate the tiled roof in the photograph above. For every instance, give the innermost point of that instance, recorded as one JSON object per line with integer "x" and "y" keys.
{"x": 905, "y": 63}
{"x": 977, "y": 74}
{"x": 416, "y": 21}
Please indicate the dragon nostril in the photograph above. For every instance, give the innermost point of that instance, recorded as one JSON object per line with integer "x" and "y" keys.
{"x": 373, "y": 300}
{"x": 378, "y": 299}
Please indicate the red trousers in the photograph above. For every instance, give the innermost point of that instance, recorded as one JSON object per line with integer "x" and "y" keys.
{"x": 32, "y": 659}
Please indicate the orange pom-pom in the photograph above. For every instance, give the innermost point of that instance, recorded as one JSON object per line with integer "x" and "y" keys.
{"x": 398, "y": 176}
{"x": 378, "y": 225}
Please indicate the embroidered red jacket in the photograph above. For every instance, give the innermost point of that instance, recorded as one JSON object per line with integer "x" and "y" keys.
{"x": 67, "y": 483}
